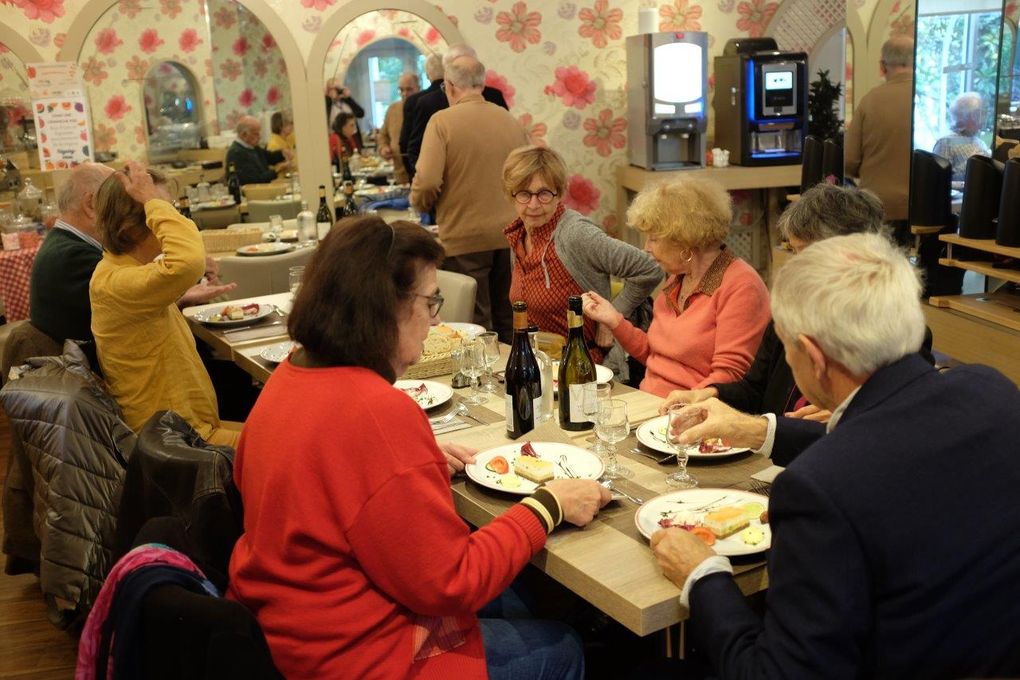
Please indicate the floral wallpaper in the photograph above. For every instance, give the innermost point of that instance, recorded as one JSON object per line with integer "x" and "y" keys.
{"x": 560, "y": 64}
{"x": 373, "y": 26}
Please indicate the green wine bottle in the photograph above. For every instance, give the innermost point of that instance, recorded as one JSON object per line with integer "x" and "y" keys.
{"x": 577, "y": 371}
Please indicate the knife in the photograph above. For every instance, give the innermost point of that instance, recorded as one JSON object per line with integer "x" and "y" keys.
{"x": 251, "y": 326}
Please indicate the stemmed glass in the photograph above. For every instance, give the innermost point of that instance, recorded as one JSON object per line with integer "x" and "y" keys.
{"x": 275, "y": 226}
{"x": 469, "y": 359}
{"x": 682, "y": 417}
{"x": 612, "y": 426}
{"x": 594, "y": 395}
{"x": 490, "y": 345}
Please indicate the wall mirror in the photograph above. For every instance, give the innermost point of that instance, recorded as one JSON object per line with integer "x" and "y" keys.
{"x": 1007, "y": 110}
{"x": 221, "y": 58}
{"x": 16, "y": 127}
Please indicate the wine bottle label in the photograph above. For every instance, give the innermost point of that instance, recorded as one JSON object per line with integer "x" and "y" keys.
{"x": 575, "y": 394}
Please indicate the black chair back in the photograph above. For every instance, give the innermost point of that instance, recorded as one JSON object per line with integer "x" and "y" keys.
{"x": 931, "y": 180}
{"x": 981, "y": 191}
{"x": 811, "y": 172}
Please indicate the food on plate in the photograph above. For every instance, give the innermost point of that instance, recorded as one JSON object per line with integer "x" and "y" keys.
{"x": 235, "y": 312}
{"x": 529, "y": 450}
{"x": 535, "y": 469}
{"x": 509, "y": 481}
{"x": 764, "y": 517}
{"x": 420, "y": 394}
{"x": 752, "y": 535}
{"x": 442, "y": 340}
{"x": 753, "y": 509}
{"x": 707, "y": 537}
{"x": 725, "y": 521}
{"x": 713, "y": 445}
{"x": 498, "y": 465}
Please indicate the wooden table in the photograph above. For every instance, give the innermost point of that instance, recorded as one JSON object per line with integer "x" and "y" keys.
{"x": 608, "y": 563}
{"x": 228, "y": 344}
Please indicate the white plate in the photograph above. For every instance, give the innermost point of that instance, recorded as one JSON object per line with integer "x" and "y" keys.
{"x": 434, "y": 394}
{"x": 652, "y": 433}
{"x": 603, "y": 374}
{"x": 265, "y": 248}
{"x": 469, "y": 329}
{"x": 584, "y": 464}
{"x": 274, "y": 354}
{"x": 205, "y": 316}
{"x": 670, "y": 504}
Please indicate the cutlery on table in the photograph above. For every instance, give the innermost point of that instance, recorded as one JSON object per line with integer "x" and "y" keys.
{"x": 608, "y": 483}
{"x": 565, "y": 466}
{"x": 250, "y": 326}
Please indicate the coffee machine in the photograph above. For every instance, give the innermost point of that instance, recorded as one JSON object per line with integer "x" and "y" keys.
{"x": 760, "y": 102}
{"x": 667, "y": 76}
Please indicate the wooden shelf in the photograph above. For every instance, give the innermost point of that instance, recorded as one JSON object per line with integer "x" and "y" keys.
{"x": 998, "y": 310}
{"x": 731, "y": 177}
{"x": 982, "y": 268}
{"x": 987, "y": 245}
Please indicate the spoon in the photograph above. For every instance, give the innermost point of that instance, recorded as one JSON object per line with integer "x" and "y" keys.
{"x": 608, "y": 483}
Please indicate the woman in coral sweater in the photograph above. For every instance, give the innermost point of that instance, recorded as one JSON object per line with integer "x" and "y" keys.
{"x": 709, "y": 318}
{"x": 353, "y": 558}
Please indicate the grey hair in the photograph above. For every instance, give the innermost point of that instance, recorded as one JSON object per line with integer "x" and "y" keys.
{"x": 898, "y": 51}
{"x": 856, "y": 296}
{"x": 413, "y": 76}
{"x": 466, "y": 73}
{"x": 827, "y": 210}
{"x": 84, "y": 179}
{"x": 434, "y": 67}
{"x": 458, "y": 50}
{"x": 247, "y": 124}
{"x": 966, "y": 112}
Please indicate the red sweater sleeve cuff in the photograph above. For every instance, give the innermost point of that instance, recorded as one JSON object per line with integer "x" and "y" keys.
{"x": 529, "y": 524}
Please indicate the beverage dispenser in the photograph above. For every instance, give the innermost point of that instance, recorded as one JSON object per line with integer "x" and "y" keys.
{"x": 667, "y": 78}
{"x": 760, "y": 102}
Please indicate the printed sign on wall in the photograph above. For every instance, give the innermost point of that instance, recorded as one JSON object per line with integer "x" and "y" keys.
{"x": 61, "y": 111}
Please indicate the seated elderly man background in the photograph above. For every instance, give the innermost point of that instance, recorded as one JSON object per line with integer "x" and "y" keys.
{"x": 709, "y": 319}
{"x": 894, "y": 553}
{"x": 968, "y": 115}
{"x": 253, "y": 163}
{"x": 145, "y": 347}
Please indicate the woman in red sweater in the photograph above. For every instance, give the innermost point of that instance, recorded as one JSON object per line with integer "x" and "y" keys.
{"x": 709, "y": 319}
{"x": 353, "y": 558}
{"x": 343, "y": 141}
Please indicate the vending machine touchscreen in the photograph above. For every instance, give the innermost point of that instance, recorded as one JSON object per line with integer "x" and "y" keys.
{"x": 779, "y": 90}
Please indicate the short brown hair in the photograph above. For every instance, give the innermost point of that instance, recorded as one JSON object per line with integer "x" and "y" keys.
{"x": 347, "y": 309}
{"x": 692, "y": 212}
{"x": 524, "y": 163}
{"x": 120, "y": 219}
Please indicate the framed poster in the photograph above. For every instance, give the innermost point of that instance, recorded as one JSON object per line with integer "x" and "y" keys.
{"x": 61, "y": 112}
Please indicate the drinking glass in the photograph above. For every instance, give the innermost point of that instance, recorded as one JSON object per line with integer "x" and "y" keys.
{"x": 612, "y": 426}
{"x": 294, "y": 276}
{"x": 275, "y": 226}
{"x": 490, "y": 345}
{"x": 469, "y": 359}
{"x": 594, "y": 395}
{"x": 682, "y": 417}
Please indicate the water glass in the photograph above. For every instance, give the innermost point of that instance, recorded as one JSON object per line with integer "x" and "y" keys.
{"x": 469, "y": 359}
{"x": 490, "y": 345}
{"x": 594, "y": 395}
{"x": 682, "y": 417}
{"x": 294, "y": 276}
{"x": 612, "y": 426}
{"x": 275, "y": 226}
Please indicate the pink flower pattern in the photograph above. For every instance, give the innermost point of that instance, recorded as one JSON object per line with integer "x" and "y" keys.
{"x": 519, "y": 27}
{"x": 171, "y": 8}
{"x": 493, "y": 79}
{"x": 432, "y": 36}
{"x": 755, "y": 15}
{"x": 240, "y": 46}
{"x": 246, "y": 98}
{"x": 93, "y": 71}
{"x": 129, "y": 8}
{"x": 573, "y": 86}
{"x": 225, "y": 17}
{"x": 320, "y": 5}
{"x": 150, "y": 41}
{"x": 107, "y": 41}
{"x": 680, "y": 16}
{"x": 136, "y": 68}
{"x": 600, "y": 23}
{"x": 230, "y": 69}
{"x": 41, "y": 10}
{"x": 364, "y": 38}
{"x": 260, "y": 67}
{"x": 189, "y": 40}
{"x": 605, "y": 133}
{"x": 273, "y": 96}
{"x": 116, "y": 107}
{"x": 105, "y": 138}
{"x": 582, "y": 195}
{"x": 536, "y": 131}
{"x": 268, "y": 43}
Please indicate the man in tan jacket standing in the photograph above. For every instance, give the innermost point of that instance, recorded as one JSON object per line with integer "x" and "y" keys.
{"x": 878, "y": 141}
{"x": 459, "y": 174}
{"x": 389, "y": 133}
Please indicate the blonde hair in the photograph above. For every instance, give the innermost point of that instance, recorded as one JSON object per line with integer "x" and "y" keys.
{"x": 120, "y": 219}
{"x": 524, "y": 163}
{"x": 692, "y": 212}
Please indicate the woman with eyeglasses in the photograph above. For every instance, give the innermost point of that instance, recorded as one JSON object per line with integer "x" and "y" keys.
{"x": 709, "y": 319}
{"x": 354, "y": 560}
{"x": 557, "y": 252}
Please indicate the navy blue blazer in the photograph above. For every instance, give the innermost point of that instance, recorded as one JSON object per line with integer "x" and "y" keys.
{"x": 896, "y": 541}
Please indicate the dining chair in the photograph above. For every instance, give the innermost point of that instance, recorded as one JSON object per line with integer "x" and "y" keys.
{"x": 264, "y": 192}
{"x": 264, "y": 274}
{"x": 216, "y": 218}
{"x": 260, "y": 211}
{"x": 264, "y": 226}
{"x": 459, "y": 292}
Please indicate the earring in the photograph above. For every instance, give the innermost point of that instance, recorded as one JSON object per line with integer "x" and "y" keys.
{"x": 690, "y": 256}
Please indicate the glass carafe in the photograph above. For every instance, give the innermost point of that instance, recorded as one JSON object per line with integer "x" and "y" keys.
{"x": 30, "y": 200}
{"x": 545, "y": 408}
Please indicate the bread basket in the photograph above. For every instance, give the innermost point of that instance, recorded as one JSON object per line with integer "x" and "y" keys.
{"x": 229, "y": 240}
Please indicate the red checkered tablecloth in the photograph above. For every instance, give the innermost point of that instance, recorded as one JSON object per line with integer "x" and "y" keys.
{"x": 15, "y": 276}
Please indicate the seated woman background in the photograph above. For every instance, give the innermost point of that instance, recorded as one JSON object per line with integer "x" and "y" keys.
{"x": 558, "y": 252}
{"x": 709, "y": 319}
{"x": 343, "y": 141}
{"x": 145, "y": 348}
{"x": 281, "y": 138}
{"x": 353, "y": 558}
{"x": 967, "y": 112}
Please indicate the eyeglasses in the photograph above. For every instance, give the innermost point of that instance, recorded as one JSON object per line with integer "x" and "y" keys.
{"x": 435, "y": 303}
{"x": 545, "y": 196}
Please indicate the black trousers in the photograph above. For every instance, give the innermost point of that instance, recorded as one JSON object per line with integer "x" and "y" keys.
{"x": 491, "y": 269}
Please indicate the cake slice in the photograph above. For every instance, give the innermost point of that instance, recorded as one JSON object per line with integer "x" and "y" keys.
{"x": 725, "y": 521}
{"x": 535, "y": 469}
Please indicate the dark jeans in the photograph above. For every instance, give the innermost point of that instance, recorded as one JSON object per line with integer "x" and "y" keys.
{"x": 491, "y": 269}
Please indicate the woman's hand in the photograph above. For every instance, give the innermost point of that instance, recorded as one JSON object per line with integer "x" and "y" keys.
{"x": 457, "y": 456}
{"x": 138, "y": 182}
{"x": 687, "y": 397}
{"x": 580, "y": 499}
{"x": 597, "y": 307}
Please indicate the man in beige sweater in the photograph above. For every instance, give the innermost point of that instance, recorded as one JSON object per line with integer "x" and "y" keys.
{"x": 459, "y": 175}
{"x": 389, "y": 133}
{"x": 878, "y": 141}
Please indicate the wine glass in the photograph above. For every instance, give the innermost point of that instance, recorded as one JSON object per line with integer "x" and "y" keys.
{"x": 469, "y": 359}
{"x": 276, "y": 226}
{"x": 594, "y": 395}
{"x": 294, "y": 276}
{"x": 612, "y": 426}
{"x": 490, "y": 345}
{"x": 682, "y": 417}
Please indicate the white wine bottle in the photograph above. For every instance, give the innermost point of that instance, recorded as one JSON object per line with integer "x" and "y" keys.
{"x": 577, "y": 371}
{"x": 523, "y": 379}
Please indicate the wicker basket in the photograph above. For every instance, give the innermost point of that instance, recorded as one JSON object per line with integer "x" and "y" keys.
{"x": 429, "y": 367}
{"x": 228, "y": 240}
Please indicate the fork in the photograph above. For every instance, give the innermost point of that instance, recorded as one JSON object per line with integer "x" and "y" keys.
{"x": 760, "y": 487}
{"x": 608, "y": 483}
{"x": 565, "y": 466}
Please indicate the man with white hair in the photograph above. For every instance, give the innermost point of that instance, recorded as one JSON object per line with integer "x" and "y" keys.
{"x": 252, "y": 162}
{"x": 432, "y": 100}
{"x": 460, "y": 177}
{"x": 389, "y": 134}
{"x": 895, "y": 550}
{"x": 877, "y": 148}
{"x": 967, "y": 112}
